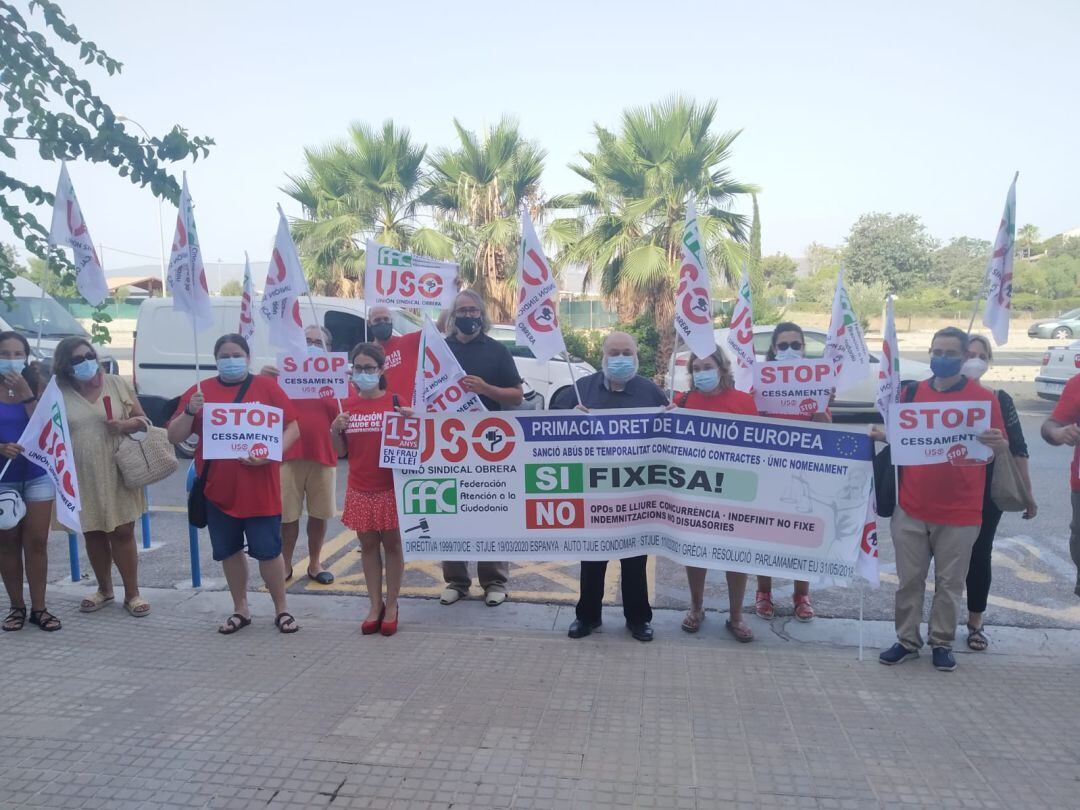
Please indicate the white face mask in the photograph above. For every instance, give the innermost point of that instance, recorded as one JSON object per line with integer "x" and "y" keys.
{"x": 789, "y": 354}
{"x": 974, "y": 368}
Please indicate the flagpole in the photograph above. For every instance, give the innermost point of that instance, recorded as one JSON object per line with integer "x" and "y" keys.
{"x": 674, "y": 358}
{"x": 195, "y": 340}
{"x": 573, "y": 379}
{"x": 862, "y": 592}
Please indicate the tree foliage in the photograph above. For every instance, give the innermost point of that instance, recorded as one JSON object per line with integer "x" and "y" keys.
{"x": 779, "y": 270}
{"x": 891, "y": 249}
{"x": 232, "y": 287}
{"x": 960, "y": 266}
{"x": 51, "y": 107}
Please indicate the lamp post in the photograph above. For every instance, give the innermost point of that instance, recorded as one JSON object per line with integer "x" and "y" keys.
{"x": 160, "y": 221}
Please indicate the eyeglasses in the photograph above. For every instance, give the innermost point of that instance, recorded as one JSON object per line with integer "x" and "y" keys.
{"x": 952, "y": 354}
{"x": 78, "y": 358}
{"x": 318, "y": 343}
{"x": 795, "y": 344}
{"x": 468, "y": 312}
{"x": 367, "y": 369}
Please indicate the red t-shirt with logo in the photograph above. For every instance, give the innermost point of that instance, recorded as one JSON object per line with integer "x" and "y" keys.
{"x": 399, "y": 368}
{"x": 1067, "y": 412}
{"x": 363, "y": 438}
{"x": 241, "y": 490}
{"x": 314, "y": 417}
{"x": 948, "y": 494}
{"x": 729, "y": 401}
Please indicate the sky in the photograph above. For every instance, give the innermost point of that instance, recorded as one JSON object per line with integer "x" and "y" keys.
{"x": 845, "y": 107}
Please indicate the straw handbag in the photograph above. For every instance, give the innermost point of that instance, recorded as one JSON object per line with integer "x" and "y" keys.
{"x": 146, "y": 459}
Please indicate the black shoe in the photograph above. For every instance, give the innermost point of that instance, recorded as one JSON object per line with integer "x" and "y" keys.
{"x": 580, "y": 629}
{"x": 642, "y": 632}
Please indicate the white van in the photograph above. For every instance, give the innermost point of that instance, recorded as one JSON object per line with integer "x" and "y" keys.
{"x": 164, "y": 364}
{"x": 30, "y": 311}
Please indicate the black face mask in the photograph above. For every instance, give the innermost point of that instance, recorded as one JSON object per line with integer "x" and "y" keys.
{"x": 382, "y": 331}
{"x": 468, "y": 326}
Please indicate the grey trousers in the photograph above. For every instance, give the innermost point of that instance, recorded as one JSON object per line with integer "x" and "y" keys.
{"x": 491, "y": 575}
{"x": 916, "y": 542}
{"x": 1074, "y": 538}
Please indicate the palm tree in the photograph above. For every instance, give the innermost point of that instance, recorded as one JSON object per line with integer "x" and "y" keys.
{"x": 629, "y": 222}
{"x": 477, "y": 190}
{"x": 364, "y": 187}
{"x": 1027, "y": 237}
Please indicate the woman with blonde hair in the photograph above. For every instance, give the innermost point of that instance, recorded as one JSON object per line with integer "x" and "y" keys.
{"x": 712, "y": 388}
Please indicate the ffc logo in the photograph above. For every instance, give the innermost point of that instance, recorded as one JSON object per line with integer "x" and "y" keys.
{"x": 430, "y": 496}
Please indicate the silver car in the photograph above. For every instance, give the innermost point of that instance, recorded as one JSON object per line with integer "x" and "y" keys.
{"x": 1059, "y": 365}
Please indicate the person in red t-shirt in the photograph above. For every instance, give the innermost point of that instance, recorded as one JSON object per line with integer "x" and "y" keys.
{"x": 938, "y": 515}
{"x": 402, "y": 353}
{"x": 243, "y": 496}
{"x": 308, "y": 473}
{"x": 370, "y": 508}
{"x": 1063, "y": 427}
{"x": 712, "y": 388}
{"x": 788, "y": 343}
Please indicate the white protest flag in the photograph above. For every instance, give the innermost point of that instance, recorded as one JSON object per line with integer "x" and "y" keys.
{"x": 438, "y": 377}
{"x": 999, "y": 272}
{"x": 285, "y": 283}
{"x": 69, "y": 230}
{"x": 740, "y": 337}
{"x": 187, "y": 275}
{"x": 403, "y": 280}
{"x": 845, "y": 346}
{"x": 538, "y": 295}
{"x": 866, "y": 564}
{"x": 693, "y": 305}
{"x": 888, "y": 390}
{"x": 46, "y": 442}
{"x": 246, "y": 329}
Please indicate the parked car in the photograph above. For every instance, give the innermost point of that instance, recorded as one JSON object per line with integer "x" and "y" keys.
{"x": 164, "y": 364}
{"x": 1062, "y": 327}
{"x": 32, "y": 309}
{"x": 545, "y": 379}
{"x": 857, "y": 401}
{"x": 1059, "y": 365}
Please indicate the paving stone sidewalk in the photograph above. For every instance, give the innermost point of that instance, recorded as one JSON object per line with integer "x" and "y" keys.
{"x": 471, "y": 707}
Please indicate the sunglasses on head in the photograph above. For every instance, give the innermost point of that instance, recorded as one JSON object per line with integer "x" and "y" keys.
{"x": 795, "y": 344}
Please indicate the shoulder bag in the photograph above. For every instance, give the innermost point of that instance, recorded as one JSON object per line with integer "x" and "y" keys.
{"x": 144, "y": 457}
{"x": 196, "y": 504}
{"x": 1006, "y": 487}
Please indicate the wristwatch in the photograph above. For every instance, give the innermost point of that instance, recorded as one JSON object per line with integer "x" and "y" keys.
{"x": 189, "y": 413}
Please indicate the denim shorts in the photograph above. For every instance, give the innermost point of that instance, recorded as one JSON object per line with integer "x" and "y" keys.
{"x": 227, "y": 534}
{"x": 32, "y": 491}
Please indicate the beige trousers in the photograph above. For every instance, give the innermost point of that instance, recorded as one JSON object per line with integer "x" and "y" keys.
{"x": 916, "y": 542}
{"x": 491, "y": 575}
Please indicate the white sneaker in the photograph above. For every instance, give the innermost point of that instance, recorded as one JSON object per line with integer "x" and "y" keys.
{"x": 494, "y": 598}
{"x": 450, "y": 595}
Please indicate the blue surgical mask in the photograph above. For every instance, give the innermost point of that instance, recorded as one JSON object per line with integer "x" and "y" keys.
{"x": 789, "y": 354}
{"x": 946, "y": 366}
{"x": 12, "y": 366}
{"x": 620, "y": 368}
{"x": 706, "y": 380}
{"x": 315, "y": 349}
{"x": 86, "y": 370}
{"x": 365, "y": 382}
{"x": 232, "y": 369}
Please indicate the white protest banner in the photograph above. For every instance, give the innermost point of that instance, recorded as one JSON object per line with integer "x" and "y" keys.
{"x": 404, "y": 280}
{"x": 45, "y": 443}
{"x": 246, "y": 329}
{"x": 439, "y": 375}
{"x": 241, "y": 429}
{"x": 793, "y": 386}
{"x": 400, "y": 447}
{"x": 888, "y": 388}
{"x": 999, "y": 272}
{"x": 187, "y": 274}
{"x": 939, "y": 432}
{"x": 740, "y": 337}
{"x": 285, "y": 283}
{"x": 537, "y": 324}
{"x": 693, "y": 305}
{"x": 760, "y": 496}
{"x": 314, "y": 376}
{"x": 866, "y": 565}
{"x": 69, "y": 230}
{"x": 845, "y": 346}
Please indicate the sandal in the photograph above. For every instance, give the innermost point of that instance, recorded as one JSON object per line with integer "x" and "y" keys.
{"x": 137, "y": 607}
{"x": 977, "y": 638}
{"x": 742, "y": 633}
{"x": 804, "y": 611}
{"x": 236, "y": 622}
{"x": 691, "y": 623}
{"x": 45, "y": 620}
{"x": 285, "y": 623}
{"x": 15, "y": 620}
{"x": 92, "y": 604}
{"x": 763, "y": 605}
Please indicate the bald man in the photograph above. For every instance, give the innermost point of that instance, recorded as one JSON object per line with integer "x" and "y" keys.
{"x": 402, "y": 352}
{"x": 616, "y": 385}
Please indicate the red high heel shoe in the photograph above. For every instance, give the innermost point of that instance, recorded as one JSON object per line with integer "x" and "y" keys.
{"x": 389, "y": 628}
{"x": 371, "y": 628}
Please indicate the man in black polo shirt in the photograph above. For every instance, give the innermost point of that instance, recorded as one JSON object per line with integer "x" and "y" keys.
{"x": 618, "y": 385}
{"x": 493, "y": 376}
